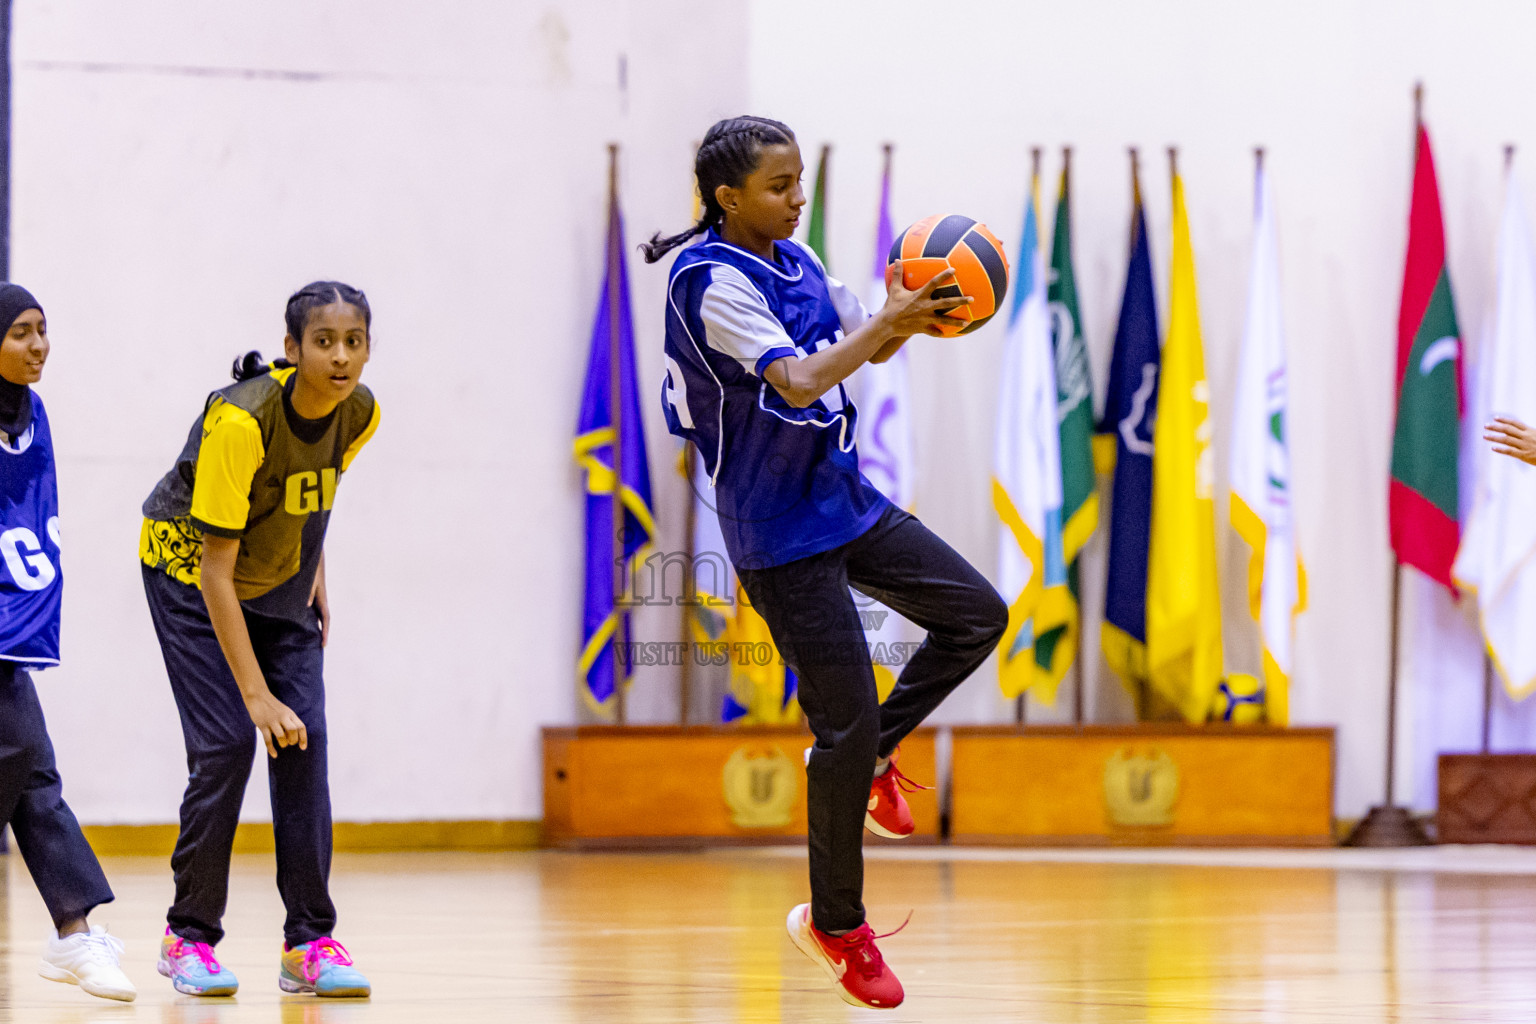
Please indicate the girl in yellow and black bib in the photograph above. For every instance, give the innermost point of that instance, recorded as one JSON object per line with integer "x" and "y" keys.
{"x": 235, "y": 575}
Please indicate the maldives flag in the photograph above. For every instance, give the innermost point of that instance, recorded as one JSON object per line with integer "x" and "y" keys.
{"x": 1425, "y": 527}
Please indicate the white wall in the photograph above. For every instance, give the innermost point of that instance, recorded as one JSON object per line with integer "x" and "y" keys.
{"x": 1326, "y": 87}
{"x": 180, "y": 168}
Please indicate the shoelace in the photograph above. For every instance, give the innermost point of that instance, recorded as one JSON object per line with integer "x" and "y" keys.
{"x": 103, "y": 948}
{"x": 894, "y": 777}
{"x": 204, "y": 953}
{"x": 323, "y": 949}
{"x": 863, "y": 953}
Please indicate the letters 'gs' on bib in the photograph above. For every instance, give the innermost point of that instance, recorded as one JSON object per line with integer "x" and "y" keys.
{"x": 761, "y": 786}
{"x": 1140, "y": 789}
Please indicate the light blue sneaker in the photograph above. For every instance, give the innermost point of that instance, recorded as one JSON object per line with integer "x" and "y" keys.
{"x": 193, "y": 969}
{"x": 324, "y": 968}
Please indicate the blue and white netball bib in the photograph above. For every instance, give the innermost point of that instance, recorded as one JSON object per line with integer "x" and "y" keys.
{"x": 786, "y": 479}
{"x": 31, "y": 581}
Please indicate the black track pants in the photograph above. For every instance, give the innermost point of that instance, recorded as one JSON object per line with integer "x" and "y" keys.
{"x": 816, "y": 626}
{"x": 62, "y": 863}
{"x": 221, "y": 744}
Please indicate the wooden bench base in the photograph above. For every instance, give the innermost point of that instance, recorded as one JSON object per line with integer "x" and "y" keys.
{"x": 651, "y": 786}
{"x": 1147, "y": 785}
{"x": 1487, "y": 798}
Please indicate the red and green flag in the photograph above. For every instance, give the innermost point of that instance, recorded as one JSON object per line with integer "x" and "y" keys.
{"x": 1425, "y": 525}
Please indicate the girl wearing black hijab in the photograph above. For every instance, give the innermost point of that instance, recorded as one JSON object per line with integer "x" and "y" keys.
{"x": 62, "y": 863}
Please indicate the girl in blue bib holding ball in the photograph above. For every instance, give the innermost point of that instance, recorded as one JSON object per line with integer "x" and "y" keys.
{"x": 759, "y": 343}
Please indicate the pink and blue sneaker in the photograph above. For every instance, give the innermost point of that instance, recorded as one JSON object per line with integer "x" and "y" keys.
{"x": 193, "y": 969}
{"x": 324, "y": 968}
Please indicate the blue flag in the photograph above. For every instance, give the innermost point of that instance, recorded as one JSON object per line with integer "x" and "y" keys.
{"x": 605, "y": 622}
{"x": 1125, "y": 443}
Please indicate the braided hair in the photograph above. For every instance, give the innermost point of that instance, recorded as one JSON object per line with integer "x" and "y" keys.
{"x": 728, "y": 154}
{"x": 296, "y": 317}
{"x": 322, "y": 293}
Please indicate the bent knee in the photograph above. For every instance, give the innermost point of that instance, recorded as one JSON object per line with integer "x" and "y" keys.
{"x": 852, "y": 737}
{"x": 18, "y": 759}
{"x": 991, "y": 620}
{"x": 216, "y": 753}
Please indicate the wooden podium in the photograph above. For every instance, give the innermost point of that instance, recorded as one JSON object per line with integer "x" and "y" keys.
{"x": 1145, "y": 785}
{"x": 654, "y": 786}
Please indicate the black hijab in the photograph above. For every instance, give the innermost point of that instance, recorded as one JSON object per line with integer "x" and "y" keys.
{"x": 15, "y": 399}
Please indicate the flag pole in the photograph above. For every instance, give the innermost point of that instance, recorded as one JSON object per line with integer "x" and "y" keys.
{"x": 615, "y": 412}
{"x": 691, "y": 572}
{"x": 1388, "y": 824}
{"x": 1258, "y": 171}
{"x": 1487, "y": 701}
{"x": 1392, "y": 669}
{"x": 1021, "y": 702}
{"x": 690, "y": 588}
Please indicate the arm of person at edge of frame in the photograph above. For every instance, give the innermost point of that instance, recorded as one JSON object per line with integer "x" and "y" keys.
{"x": 320, "y": 602}
{"x": 278, "y": 725}
{"x": 905, "y": 313}
{"x": 1511, "y": 437}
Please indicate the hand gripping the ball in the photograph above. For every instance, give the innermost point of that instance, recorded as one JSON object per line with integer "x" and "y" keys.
{"x": 916, "y": 311}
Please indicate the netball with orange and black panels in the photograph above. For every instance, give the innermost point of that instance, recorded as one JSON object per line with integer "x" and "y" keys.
{"x": 981, "y": 268}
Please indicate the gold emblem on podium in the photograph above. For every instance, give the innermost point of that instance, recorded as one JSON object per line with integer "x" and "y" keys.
{"x": 761, "y": 785}
{"x": 1140, "y": 789}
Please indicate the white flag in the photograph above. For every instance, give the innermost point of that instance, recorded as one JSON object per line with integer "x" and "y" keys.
{"x": 885, "y": 423}
{"x": 1263, "y": 510}
{"x": 1496, "y": 557}
{"x": 885, "y": 449}
{"x": 1026, "y": 476}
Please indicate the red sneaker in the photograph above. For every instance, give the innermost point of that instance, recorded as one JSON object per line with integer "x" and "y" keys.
{"x": 851, "y": 960}
{"x": 888, "y": 813}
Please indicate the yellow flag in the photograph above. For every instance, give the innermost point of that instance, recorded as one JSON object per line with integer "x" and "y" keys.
{"x": 757, "y": 673}
{"x": 1183, "y": 599}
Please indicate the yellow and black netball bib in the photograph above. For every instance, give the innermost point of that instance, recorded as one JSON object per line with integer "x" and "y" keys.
{"x": 253, "y": 469}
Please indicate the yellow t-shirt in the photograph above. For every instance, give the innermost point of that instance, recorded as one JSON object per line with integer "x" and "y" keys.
{"x": 252, "y": 470}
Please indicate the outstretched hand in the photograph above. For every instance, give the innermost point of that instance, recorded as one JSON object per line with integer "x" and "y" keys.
{"x": 917, "y": 312}
{"x": 1511, "y": 437}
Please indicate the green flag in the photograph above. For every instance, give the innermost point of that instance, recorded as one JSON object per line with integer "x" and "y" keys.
{"x": 816, "y": 227}
{"x": 1056, "y": 645}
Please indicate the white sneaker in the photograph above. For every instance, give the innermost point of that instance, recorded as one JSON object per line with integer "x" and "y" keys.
{"x": 90, "y": 960}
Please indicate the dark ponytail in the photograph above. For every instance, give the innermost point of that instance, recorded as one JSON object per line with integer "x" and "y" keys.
{"x": 252, "y": 365}
{"x": 728, "y": 154}
{"x": 296, "y": 317}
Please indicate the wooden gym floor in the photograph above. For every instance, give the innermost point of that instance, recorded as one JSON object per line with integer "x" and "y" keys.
{"x": 996, "y": 935}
